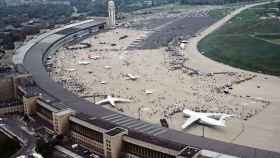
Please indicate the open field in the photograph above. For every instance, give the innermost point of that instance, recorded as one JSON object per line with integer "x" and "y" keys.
{"x": 173, "y": 21}
{"x": 181, "y": 27}
{"x": 156, "y": 18}
{"x": 273, "y": 38}
{"x": 170, "y": 8}
{"x": 222, "y": 12}
{"x": 249, "y": 41}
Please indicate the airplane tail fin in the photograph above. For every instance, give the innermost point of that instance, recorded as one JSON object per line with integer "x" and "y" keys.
{"x": 188, "y": 112}
{"x": 223, "y": 119}
{"x": 223, "y": 123}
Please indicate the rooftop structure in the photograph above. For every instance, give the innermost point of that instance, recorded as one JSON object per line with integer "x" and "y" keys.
{"x": 111, "y": 14}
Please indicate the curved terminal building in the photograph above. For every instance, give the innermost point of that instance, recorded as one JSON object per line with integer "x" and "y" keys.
{"x": 102, "y": 131}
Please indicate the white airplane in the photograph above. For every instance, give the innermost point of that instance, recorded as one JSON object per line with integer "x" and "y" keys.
{"x": 148, "y": 91}
{"x": 103, "y": 82}
{"x": 84, "y": 62}
{"x": 112, "y": 100}
{"x": 93, "y": 57}
{"x": 132, "y": 77}
{"x": 213, "y": 119}
{"x": 108, "y": 67}
{"x": 70, "y": 69}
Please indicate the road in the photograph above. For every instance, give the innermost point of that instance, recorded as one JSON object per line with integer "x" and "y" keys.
{"x": 15, "y": 128}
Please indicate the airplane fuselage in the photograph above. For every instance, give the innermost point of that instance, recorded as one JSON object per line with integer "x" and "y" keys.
{"x": 212, "y": 119}
{"x": 208, "y": 121}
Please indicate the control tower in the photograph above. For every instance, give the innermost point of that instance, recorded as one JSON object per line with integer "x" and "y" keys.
{"x": 111, "y": 14}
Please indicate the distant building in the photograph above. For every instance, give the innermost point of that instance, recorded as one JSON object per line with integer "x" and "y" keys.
{"x": 111, "y": 14}
{"x": 9, "y": 103}
{"x": 148, "y": 3}
{"x": 57, "y": 2}
{"x": 11, "y": 3}
{"x": 203, "y": 1}
{"x": 2, "y": 3}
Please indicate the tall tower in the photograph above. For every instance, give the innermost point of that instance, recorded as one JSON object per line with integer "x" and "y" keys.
{"x": 111, "y": 14}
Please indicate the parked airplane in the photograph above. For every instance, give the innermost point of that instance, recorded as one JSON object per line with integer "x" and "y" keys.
{"x": 103, "y": 82}
{"x": 84, "y": 62}
{"x": 132, "y": 77}
{"x": 148, "y": 91}
{"x": 93, "y": 57}
{"x": 112, "y": 100}
{"x": 108, "y": 67}
{"x": 213, "y": 119}
{"x": 70, "y": 69}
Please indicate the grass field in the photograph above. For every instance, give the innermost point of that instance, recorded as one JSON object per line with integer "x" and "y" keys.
{"x": 170, "y": 8}
{"x": 249, "y": 41}
{"x": 222, "y": 12}
{"x": 7, "y": 146}
{"x": 272, "y": 38}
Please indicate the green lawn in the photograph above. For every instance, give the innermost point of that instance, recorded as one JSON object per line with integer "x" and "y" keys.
{"x": 169, "y": 8}
{"x": 272, "y": 38}
{"x": 247, "y": 42}
{"x": 220, "y": 13}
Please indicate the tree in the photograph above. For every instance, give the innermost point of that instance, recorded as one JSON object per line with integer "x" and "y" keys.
{"x": 44, "y": 148}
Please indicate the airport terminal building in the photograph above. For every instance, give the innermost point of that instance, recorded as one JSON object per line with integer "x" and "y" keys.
{"x": 105, "y": 133}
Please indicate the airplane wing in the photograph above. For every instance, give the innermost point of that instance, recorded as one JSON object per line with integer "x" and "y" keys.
{"x": 122, "y": 100}
{"x": 225, "y": 116}
{"x": 210, "y": 114}
{"x": 112, "y": 102}
{"x": 101, "y": 102}
{"x": 216, "y": 114}
{"x": 189, "y": 121}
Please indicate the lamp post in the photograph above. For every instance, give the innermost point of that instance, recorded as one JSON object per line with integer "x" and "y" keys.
{"x": 140, "y": 110}
{"x": 203, "y": 131}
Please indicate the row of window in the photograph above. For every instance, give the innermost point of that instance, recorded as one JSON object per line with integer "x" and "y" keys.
{"x": 95, "y": 147}
{"x": 11, "y": 111}
{"x": 144, "y": 152}
{"x": 127, "y": 155}
{"x": 20, "y": 94}
{"x": 92, "y": 134}
{"x": 47, "y": 113}
{"x": 55, "y": 125}
{"x": 109, "y": 154}
{"x": 108, "y": 145}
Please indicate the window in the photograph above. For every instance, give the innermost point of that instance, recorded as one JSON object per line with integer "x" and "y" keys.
{"x": 92, "y": 134}
{"x": 144, "y": 152}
